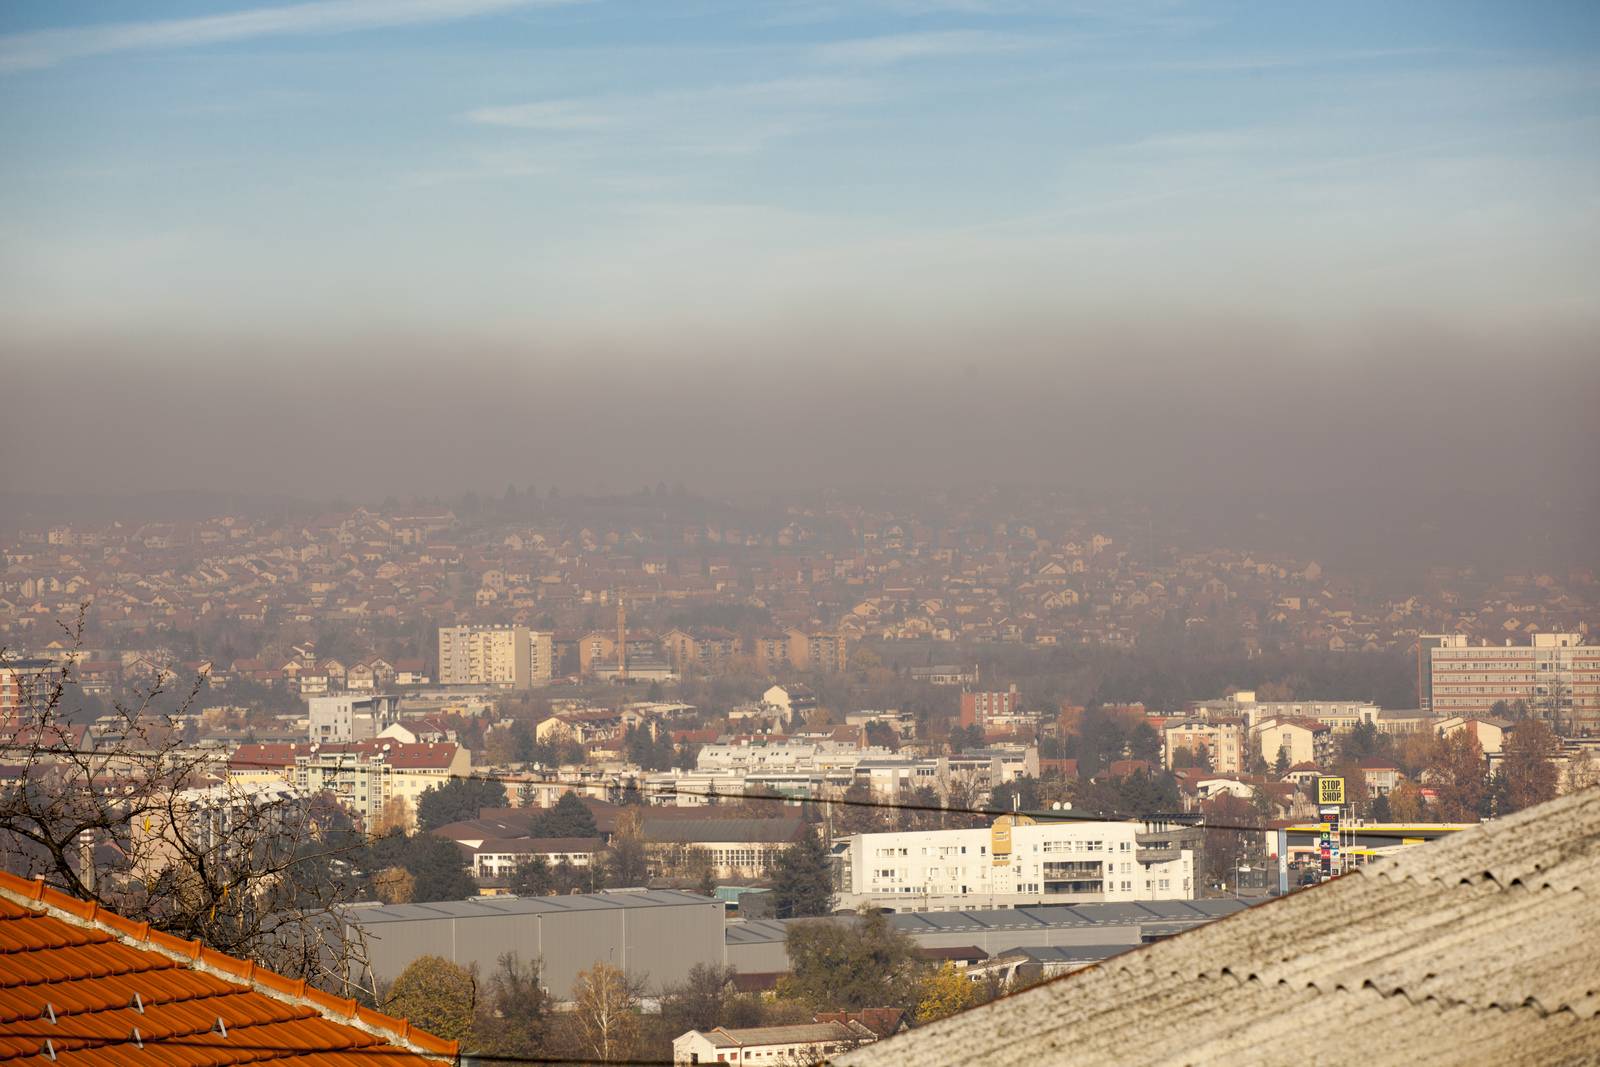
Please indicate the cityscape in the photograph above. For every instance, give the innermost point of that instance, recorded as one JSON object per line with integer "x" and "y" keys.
{"x": 906, "y": 533}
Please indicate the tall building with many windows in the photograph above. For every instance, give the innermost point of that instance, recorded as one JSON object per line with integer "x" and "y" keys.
{"x": 1556, "y": 676}
{"x": 512, "y": 657}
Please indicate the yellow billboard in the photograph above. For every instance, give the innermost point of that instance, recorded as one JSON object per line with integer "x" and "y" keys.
{"x": 1330, "y": 791}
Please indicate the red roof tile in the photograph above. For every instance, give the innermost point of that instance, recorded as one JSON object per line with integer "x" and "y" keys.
{"x": 85, "y": 986}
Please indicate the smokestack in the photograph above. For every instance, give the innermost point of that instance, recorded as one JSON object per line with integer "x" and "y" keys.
{"x": 622, "y": 639}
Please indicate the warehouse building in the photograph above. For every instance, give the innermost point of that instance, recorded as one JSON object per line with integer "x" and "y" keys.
{"x": 1101, "y": 930}
{"x": 655, "y": 936}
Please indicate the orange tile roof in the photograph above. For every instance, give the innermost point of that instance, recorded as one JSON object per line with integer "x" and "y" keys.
{"x": 80, "y": 985}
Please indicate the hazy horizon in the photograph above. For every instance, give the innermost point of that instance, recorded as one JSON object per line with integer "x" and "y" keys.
{"x": 362, "y": 249}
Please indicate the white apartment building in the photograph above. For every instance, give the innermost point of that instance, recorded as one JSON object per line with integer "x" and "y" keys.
{"x": 1017, "y": 862}
{"x": 350, "y": 717}
{"x": 1554, "y": 670}
{"x": 511, "y": 657}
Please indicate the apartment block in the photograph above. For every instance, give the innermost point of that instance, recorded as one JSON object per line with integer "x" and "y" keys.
{"x": 25, "y": 687}
{"x": 1555, "y": 673}
{"x": 1340, "y": 715}
{"x": 978, "y": 708}
{"x": 510, "y": 657}
{"x": 363, "y": 776}
{"x": 1018, "y": 862}
{"x": 1224, "y": 741}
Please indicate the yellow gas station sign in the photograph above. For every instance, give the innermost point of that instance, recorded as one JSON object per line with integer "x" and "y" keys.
{"x": 1330, "y": 791}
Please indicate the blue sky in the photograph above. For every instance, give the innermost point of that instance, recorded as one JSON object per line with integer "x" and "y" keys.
{"x": 497, "y": 169}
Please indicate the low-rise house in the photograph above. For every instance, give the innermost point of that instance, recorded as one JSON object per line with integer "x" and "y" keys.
{"x": 732, "y": 848}
{"x": 798, "y": 1044}
{"x": 496, "y": 858}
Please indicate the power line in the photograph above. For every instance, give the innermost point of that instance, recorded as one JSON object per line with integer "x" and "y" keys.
{"x": 508, "y": 778}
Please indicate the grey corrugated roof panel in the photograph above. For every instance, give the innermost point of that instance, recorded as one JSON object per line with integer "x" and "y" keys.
{"x": 1101, "y": 912}
{"x": 1217, "y": 908}
{"x": 1479, "y": 947}
{"x": 485, "y": 907}
{"x": 1067, "y": 953}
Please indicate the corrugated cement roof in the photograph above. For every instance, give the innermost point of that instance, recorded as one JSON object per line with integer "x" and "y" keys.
{"x": 1480, "y": 948}
{"x": 489, "y": 907}
{"x": 1159, "y": 914}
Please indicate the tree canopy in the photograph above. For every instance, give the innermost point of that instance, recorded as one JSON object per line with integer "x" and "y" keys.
{"x": 457, "y": 800}
{"x": 838, "y": 965}
{"x": 803, "y": 878}
{"x": 570, "y": 817}
{"x": 435, "y": 995}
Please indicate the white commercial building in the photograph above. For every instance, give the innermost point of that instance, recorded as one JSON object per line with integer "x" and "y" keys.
{"x": 1018, "y": 862}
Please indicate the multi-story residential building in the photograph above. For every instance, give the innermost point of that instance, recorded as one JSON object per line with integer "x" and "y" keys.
{"x": 978, "y": 708}
{"x": 220, "y": 824}
{"x": 596, "y": 649}
{"x": 1556, "y": 676}
{"x": 1296, "y": 740}
{"x": 351, "y": 717}
{"x": 363, "y": 776}
{"x": 1017, "y": 862}
{"x": 511, "y": 657}
{"x": 1222, "y": 741}
{"x": 25, "y": 687}
{"x": 1341, "y": 715}
{"x": 708, "y": 650}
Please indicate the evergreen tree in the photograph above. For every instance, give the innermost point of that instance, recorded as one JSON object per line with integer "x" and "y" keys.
{"x": 532, "y": 878}
{"x": 457, "y": 800}
{"x": 570, "y": 817}
{"x": 804, "y": 880}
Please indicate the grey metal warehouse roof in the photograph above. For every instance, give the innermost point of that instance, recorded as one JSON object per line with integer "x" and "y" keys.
{"x": 1160, "y": 914}
{"x": 1477, "y": 948}
{"x": 489, "y": 907}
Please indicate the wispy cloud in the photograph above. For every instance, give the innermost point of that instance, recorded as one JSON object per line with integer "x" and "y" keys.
{"x": 544, "y": 115}
{"x": 897, "y": 48}
{"x": 46, "y": 48}
{"x": 712, "y": 120}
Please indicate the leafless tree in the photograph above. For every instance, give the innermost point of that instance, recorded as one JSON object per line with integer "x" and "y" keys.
{"x": 123, "y": 812}
{"x": 605, "y": 1003}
